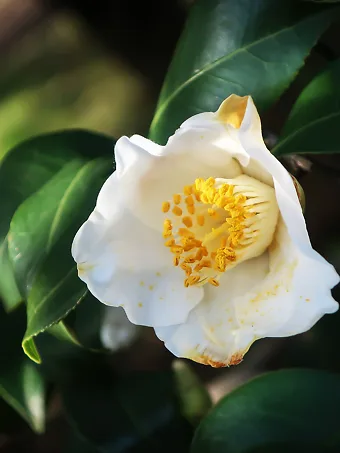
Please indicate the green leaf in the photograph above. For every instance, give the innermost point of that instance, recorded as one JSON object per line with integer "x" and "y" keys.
{"x": 25, "y": 170}
{"x": 133, "y": 413}
{"x": 21, "y": 383}
{"x": 288, "y": 407}
{"x": 45, "y": 219}
{"x": 314, "y": 120}
{"x": 194, "y": 397}
{"x": 40, "y": 252}
{"x": 61, "y": 331}
{"x": 242, "y": 47}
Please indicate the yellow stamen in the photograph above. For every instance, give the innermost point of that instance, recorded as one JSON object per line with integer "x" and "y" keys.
{"x": 165, "y": 206}
{"x": 167, "y": 228}
{"x": 177, "y": 210}
{"x": 213, "y": 282}
{"x": 189, "y": 200}
{"x": 211, "y": 240}
{"x": 185, "y": 232}
{"x": 176, "y": 249}
{"x": 187, "y": 269}
{"x": 177, "y": 198}
{"x": 200, "y": 220}
{"x": 191, "y": 209}
{"x": 187, "y": 221}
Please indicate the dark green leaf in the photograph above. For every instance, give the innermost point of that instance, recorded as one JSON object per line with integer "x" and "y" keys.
{"x": 134, "y": 413}
{"x": 45, "y": 217}
{"x": 312, "y": 126}
{"x": 24, "y": 171}
{"x": 242, "y": 47}
{"x": 40, "y": 252}
{"x": 61, "y": 331}
{"x": 21, "y": 383}
{"x": 300, "y": 407}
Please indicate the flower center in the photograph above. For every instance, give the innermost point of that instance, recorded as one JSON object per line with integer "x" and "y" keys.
{"x": 215, "y": 224}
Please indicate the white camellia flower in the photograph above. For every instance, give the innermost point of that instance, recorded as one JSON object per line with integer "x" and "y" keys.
{"x": 204, "y": 240}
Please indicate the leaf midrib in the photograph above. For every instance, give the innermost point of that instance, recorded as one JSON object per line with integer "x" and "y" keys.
{"x": 61, "y": 204}
{"x": 217, "y": 62}
{"x": 302, "y": 129}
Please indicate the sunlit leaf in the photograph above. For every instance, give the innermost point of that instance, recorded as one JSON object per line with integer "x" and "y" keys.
{"x": 243, "y": 47}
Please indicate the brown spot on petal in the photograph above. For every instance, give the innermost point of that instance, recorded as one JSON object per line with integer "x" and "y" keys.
{"x": 232, "y": 110}
{"x": 206, "y": 360}
{"x": 236, "y": 358}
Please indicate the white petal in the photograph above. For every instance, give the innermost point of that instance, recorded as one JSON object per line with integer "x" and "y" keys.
{"x": 292, "y": 297}
{"x": 212, "y": 334}
{"x": 123, "y": 261}
{"x": 250, "y": 137}
{"x": 116, "y": 331}
{"x": 129, "y": 266}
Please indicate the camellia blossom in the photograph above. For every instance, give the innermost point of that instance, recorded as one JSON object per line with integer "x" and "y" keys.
{"x": 204, "y": 240}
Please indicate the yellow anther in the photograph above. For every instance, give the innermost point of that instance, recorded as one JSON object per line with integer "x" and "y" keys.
{"x": 187, "y": 221}
{"x": 167, "y": 228}
{"x": 176, "y": 249}
{"x": 177, "y": 198}
{"x": 212, "y": 213}
{"x": 198, "y": 183}
{"x": 176, "y": 260}
{"x": 197, "y": 196}
{"x": 184, "y": 232}
{"x": 213, "y": 282}
{"x": 188, "y": 244}
{"x": 165, "y": 206}
{"x": 193, "y": 279}
{"x": 187, "y": 190}
{"x": 191, "y": 209}
{"x": 204, "y": 198}
{"x": 223, "y": 257}
{"x": 187, "y": 269}
{"x": 206, "y": 263}
{"x": 177, "y": 210}
{"x": 200, "y": 220}
{"x": 204, "y": 251}
{"x": 190, "y": 259}
{"x": 170, "y": 243}
{"x": 189, "y": 200}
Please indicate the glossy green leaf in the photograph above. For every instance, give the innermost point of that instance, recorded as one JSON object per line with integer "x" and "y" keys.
{"x": 312, "y": 126}
{"x": 243, "y": 47}
{"x": 21, "y": 383}
{"x": 68, "y": 169}
{"x": 61, "y": 331}
{"x": 193, "y": 396}
{"x": 40, "y": 251}
{"x": 133, "y": 413}
{"x": 288, "y": 407}
{"x": 24, "y": 171}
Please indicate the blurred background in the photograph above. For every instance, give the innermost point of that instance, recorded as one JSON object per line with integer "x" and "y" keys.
{"x": 100, "y": 66}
